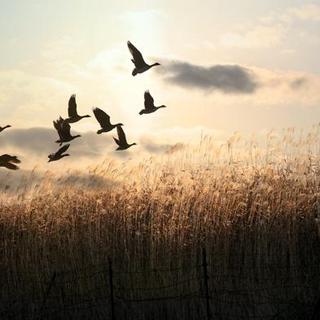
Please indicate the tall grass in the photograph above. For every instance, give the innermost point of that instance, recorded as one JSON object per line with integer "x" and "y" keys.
{"x": 252, "y": 204}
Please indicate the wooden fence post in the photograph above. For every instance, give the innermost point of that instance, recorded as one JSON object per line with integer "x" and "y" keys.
{"x": 113, "y": 316}
{"x": 206, "y": 285}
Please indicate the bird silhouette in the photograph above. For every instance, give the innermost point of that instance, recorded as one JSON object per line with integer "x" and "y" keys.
{"x": 59, "y": 154}
{"x": 149, "y": 106}
{"x": 5, "y": 127}
{"x": 140, "y": 65}
{"x": 63, "y": 129}
{"x": 72, "y": 111}
{"x": 104, "y": 121}
{"x": 122, "y": 140}
{"x": 9, "y": 162}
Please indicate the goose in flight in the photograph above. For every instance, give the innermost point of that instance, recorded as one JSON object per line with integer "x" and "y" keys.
{"x": 122, "y": 140}
{"x": 140, "y": 65}
{"x": 149, "y": 106}
{"x": 104, "y": 121}
{"x": 63, "y": 129}
{"x": 72, "y": 111}
{"x": 59, "y": 154}
{"x": 9, "y": 162}
{"x": 5, "y": 127}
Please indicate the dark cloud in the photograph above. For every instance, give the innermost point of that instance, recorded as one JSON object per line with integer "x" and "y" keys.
{"x": 225, "y": 78}
{"x": 158, "y": 148}
{"x": 298, "y": 83}
{"x": 37, "y": 143}
{"x": 40, "y": 142}
{"x": 22, "y": 181}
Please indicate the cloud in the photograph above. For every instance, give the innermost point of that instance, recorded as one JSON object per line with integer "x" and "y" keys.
{"x": 33, "y": 145}
{"x": 260, "y": 36}
{"x": 271, "y": 30}
{"x": 224, "y": 78}
{"x": 39, "y": 142}
{"x": 298, "y": 83}
{"x": 20, "y": 182}
{"x": 157, "y": 147}
{"x": 310, "y": 12}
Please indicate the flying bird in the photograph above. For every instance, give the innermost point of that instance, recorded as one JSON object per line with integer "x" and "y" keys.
{"x": 63, "y": 129}
{"x": 9, "y": 162}
{"x": 72, "y": 111}
{"x": 140, "y": 65}
{"x": 59, "y": 154}
{"x": 149, "y": 106}
{"x": 122, "y": 140}
{"x": 5, "y": 127}
{"x": 104, "y": 121}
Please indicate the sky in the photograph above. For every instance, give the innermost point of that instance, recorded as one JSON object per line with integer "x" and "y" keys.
{"x": 226, "y": 66}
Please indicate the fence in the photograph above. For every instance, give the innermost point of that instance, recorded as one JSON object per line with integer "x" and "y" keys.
{"x": 199, "y": 293}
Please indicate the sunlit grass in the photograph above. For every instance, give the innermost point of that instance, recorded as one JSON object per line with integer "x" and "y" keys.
{"x": 252, "y": 204}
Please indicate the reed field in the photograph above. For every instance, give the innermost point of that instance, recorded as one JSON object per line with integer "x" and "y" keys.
{"x": 251, "y": 205}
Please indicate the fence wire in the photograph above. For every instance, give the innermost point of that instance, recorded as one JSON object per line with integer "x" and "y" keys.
{"x": 62, "y": 293}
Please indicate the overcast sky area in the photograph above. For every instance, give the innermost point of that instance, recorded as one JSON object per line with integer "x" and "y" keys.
{"x": 226, "y": 66}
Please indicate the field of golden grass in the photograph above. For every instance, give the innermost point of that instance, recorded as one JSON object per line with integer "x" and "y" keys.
{"x": 252, "y": 205}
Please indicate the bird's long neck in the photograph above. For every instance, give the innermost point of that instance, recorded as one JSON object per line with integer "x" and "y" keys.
{"x": 7, "y": 126}
{"x": 153, "y": 65}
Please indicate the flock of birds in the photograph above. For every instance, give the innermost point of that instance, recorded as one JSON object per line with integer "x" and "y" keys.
{"x": 63, "y": 127}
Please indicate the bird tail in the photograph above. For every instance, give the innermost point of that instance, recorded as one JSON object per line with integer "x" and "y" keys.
{"x": 141, "y": 112}
{"x": 134, "y": 72}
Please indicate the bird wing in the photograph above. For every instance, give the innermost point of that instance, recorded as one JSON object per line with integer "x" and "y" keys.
{"x": 7, "y": 157}
{"x": 65, "y": 130}
{"x": 62, "y": 150}
{"x": 148, "y": 100}
{"x": 121, "y": 135}
{"x": 72, "y": 107}
{"x": 57, "y": 126}
{"x": 11, "y": 166}
{"x": 136, "y": 54}
{"x": 116, "y": 141}
{"x": 102, "y": 118}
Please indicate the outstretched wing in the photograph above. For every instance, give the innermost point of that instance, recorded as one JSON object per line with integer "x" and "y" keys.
{"x": 62, "y": 150}
{"x": 72, "y": 107}
{"x": 65, "y": 129}
{"x": 102, "y": 117}
{"x": 116, "y": 141}
{"x": 148, "y": 100}
{"x": 9, "y": 158}
{"x": 136, "y": 54}
{"x": 57, "y": 125}
{"x": 11, "y": 166}
{"x": 121, "y": 135}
